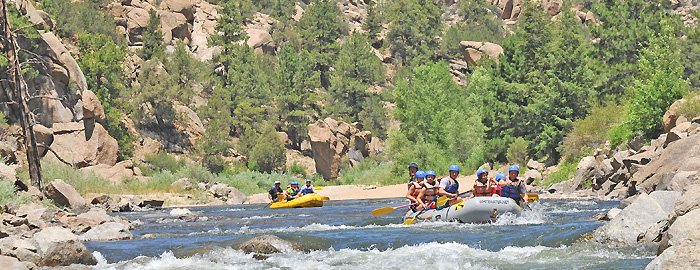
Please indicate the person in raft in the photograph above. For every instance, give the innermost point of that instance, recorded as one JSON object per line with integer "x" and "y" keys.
{"x": 483, "y": 186}
{"x": 308, "y": 188}
{"x": 293, "y": 191}
{"x": 515, "y": 188}
{"x": 428, "y": 195}
{"x": 450, "y": 187}
{"x": 275, "y": 192}
{"x": 412, "y": 169}
{"x": 414, "y": 189}
{"x": 501, "y": 179}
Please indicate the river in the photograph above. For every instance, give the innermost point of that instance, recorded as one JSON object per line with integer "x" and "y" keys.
{"x": 344, "y": 235}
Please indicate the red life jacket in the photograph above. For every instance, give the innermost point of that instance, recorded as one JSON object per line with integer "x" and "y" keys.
{"x": 483, "y": 191}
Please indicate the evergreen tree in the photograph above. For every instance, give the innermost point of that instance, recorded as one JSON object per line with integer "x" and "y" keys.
{"x": 412, "y": 30}
{"x": 152, "y": 38}
{"x": 296, "y": 81}
{"x": 373, "y": 24}
{"x": 320, "y": 27}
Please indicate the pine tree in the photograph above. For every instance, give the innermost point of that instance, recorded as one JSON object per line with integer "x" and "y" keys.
{"x": 414, "y": 24}
{"x": 320, "y": 27}
{"x": 152, "y": 38}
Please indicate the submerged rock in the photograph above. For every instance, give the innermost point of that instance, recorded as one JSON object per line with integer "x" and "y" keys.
{"x": 268, "y": 244}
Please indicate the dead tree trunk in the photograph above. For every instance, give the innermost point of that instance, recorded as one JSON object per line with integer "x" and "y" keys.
{"x": 12, "y": 49}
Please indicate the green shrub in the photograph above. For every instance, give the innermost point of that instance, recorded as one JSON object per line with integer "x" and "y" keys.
{"x": 690, "y": 109}
{"x": 517, "y": 151}
{"x": 8, "y": 194}
{"x": 368, "y": 172}
{"x": 590, "y": 132}
{"x": 296, "y": 168}
{"x": 251, "y": 182}
{"x": 74, "y": 18}
{"x": 164, "y": 162}
{"x": 565, "y": 171}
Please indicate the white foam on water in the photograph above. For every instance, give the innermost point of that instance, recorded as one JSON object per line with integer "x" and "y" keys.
{"x": 257, "y": 217}
{"x": 431, "y": 255}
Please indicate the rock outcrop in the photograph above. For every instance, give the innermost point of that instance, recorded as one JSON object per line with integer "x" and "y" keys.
{"x": 82, "y": 144}
{"x": 474, "y": 50}
{"x": 59, "y": 246}
{"x": 268, "y": 244}
{"x": 331, "y": 140}
{"x": 228, "y": 194}
{"x": 109, "y": 231}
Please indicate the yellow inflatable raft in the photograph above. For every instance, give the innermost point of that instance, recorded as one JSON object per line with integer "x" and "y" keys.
{"x": 308, "y": 200}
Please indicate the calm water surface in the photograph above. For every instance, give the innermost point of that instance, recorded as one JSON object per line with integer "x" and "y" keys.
{"x": 344, "y": 235}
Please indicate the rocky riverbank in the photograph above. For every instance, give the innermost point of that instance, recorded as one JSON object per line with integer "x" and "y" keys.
{"x": 659, "y": 188}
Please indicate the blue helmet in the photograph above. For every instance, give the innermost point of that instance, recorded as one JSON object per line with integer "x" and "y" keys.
{"x": 500, "y": 176}
{"x": 413, "y": 165}
{"x": 420, "y": 174}
{"x": 481, "y": 171}
{"x": 513, "y": 168}
{"x": 294, "y": 183}
{"x": 454, "y": 168}
{"x": 430, "y": 172}
{"x": 308, "y": 180}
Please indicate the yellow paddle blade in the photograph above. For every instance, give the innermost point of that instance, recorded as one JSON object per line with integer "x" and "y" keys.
{"x": 382, "y": 211}
{"x": 318, "y": 188}
{"x": 325, "y": 198}
{"x": 441, "y": 201}
{"x": 409, "y": 221}
{"x": 531, "y": 197}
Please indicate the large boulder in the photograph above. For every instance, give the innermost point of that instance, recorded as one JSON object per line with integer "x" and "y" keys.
{"x": 681, "y": 256}
{"x": 227, "y": 193}
{"x": 82, "y": 144}
{"x": 689, "y": 201}
{"x": 44, "y": 138}
{"x": 260, "y": 40}
{"x": 184, "y": 7}
{"x": 64, "y": 194}
{"x": 324, "y": 146}
{"x": 20, "y": 248}
{"x": 682, "y": 155}
{"x": 174, "y": 25}
{"x": 535, "y": 165}
{"x": 92, "y": 107}
{"x": 532, "y": 175}
{"x": 115, "y": 174}
{"x": 552, "y": 6}
{"x": 268, "y": 244}
{"x": 109, "y": 231}
{"x": 641, "y": 221}
{"x": 94, "y": 217}
{"x": 59, "y": 246}
{"x": 474, "y": 50}
{"x": 682, "y": 227}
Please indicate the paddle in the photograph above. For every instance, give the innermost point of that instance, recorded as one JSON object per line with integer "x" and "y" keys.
{"x": 532, "y": 197}
{"x": 388, "y": 209}
{"x": 325, "y": 198}
{"x": 443, "y": 199}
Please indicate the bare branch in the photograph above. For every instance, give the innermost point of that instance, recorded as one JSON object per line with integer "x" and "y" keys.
{"x": 55, "y": 154}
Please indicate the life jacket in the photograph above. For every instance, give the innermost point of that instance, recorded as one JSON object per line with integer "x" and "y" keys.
{"x": 511, "y": 191}
{"x": 417, "y": 189}
{"x": 292, "y": 192}
{"x": 307, "y": 190}
{"x": 496, "y": 187}
{"x": 430, "y": 191}
{"x": 454, "y": 188}
{"x": 483, "y": 191}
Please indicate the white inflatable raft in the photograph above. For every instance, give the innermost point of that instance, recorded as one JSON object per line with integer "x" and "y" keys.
{"x": 474, "y": 210}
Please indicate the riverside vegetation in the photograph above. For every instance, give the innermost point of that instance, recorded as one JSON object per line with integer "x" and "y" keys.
{"x": 562, "y": 87}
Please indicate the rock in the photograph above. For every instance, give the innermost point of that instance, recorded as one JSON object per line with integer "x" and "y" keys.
{"x": 682, "y": 155}
{"x": 617, "y": 159}
{"x": 153, "y": 203}
{"x": 261, "y": 41}
{"x": 671, "y": 115}
{"x": 58, "y": 246}
{"x": 115, "y": 173}
{"x": 612, "y": 213}
{"x": 535, "y": 165}
{"x": 636, "y": 143}
{"x": 64, "y": 194}
{"x": 268, "y": 244}
{"x": 44, "y": 137}
{"x": 682, "y": 256}
{"x": 194, "y": 128}
{"x": 7, "y": 173}
{"x": 532, "y": 175}
{"x": 677, "y": 181}
{"x": 183, "y": 183}
{"x": 642, "y": 159}
{"x": 673, "y": 135}
{"x": 84, "y": 143}
{"x": 585, "y": 170}
{"x": 228, "y": 194}
{"x": 174, "y": 25}
{"x": 10, "y": 263}
{"x": 37, "y": 216}
{"x": 95, "y": 216}
{"x": 474, "y": 50}
{"x": 184, "y": 7}
{"x": 682, "y": 227}
{"x": 109, "y": 231}
{"x": 552, "y": 6}
{"x": 641, "y": 221}
{"x": 178, "y": 212}
{"x": 92, "y": 107}
{"x": 20, "y": 248}
{"x": 689, "y": 201}
{"x": 376, "y": 147}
